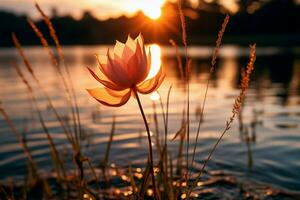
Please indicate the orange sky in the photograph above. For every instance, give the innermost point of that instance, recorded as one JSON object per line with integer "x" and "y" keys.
{"x": 100, "y": 8}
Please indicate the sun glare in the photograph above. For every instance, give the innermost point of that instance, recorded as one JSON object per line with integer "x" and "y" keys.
{"x": 151, "y": 8}
{"x": 155, "y": 60}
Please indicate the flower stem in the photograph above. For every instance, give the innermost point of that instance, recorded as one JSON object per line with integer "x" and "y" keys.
{"x": 149, "y": 141}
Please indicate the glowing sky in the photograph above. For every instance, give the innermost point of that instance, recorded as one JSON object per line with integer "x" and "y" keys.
{"x": 100, "y": 8}
{"x": 103, "y": 9}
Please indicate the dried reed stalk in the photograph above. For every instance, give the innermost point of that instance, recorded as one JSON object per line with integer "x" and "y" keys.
{"x": 61, "y": 55}
{"x": 92, "y": 170}
{"x": 183, "y": 24}
{"x": 235, "y": 110}
{"x": 32, "y": 164}
{"x": 104, "y": 163}
{"x": 157, "y": 135}
{"x": 55, "y": 64}
{"x": 108, "y": 147}
{"x": 188, "y": 117}
{"x": 164, "y": 153}
{"x": 72, "y": 96}
{"x": 179, "y": 61}
{"x": 212, "y": 69}
{"x": 143, "y": 186}
{"x": 20, "y": 140}
{"x": 181, "y": 132}
{"x": 187, "y": 80}
{"x": 219, "y": 42}
{"x": 57, "y": 162}
{"x": 32, "y": 73}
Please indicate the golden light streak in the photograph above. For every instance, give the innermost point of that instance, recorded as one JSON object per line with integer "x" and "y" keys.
{"x": 155, "y": 60}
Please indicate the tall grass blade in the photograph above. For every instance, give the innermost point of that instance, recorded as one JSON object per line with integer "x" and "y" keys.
{"x": 132, "y": 181}
{"x": 54, "y": 62}
{"x": 32, "y": 73}
{"x": 157, "y": 135}
{"x": 46, "y": 188}
{"x": 57, "y": 162}
{"x": 212, "y": 69}
{"x": 235, "y": 110}
{"x": 108, "y": 147}
{"x": 144, "y": 185}
{"x": 187, "y": 79}
{"x": 179, "y": 61}
{"x": 61, "y": 55}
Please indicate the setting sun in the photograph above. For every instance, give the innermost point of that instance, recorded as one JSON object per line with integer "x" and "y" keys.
{"x": 151, "y": 8}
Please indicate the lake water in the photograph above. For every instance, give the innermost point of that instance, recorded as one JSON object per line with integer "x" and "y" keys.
{"x": 271, "y": 114}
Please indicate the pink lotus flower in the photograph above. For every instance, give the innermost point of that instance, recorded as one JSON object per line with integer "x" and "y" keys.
{"x": 124, "y": 72}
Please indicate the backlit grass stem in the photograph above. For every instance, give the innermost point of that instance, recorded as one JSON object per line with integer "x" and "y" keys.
{"x": 212, "y": 69}
{"x": 235, "y": 111}
{"x": 55, "y": 64}
{"x": 32, "y": 73}
{"x": 187, "y": 80}
{"x": 62, "y": 58}
{"x": 32, "y": 164}
{"x": 57, "y": 162}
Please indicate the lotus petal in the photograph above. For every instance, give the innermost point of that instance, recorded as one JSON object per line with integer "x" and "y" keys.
{"x": 107, "y": 83}
{"x": 118, "y": 73}
{"x": 110, "y": 97}
{"x": 152, "y": 84}
{"x": 119, "y": 48}
{"x": 137, "y": 67}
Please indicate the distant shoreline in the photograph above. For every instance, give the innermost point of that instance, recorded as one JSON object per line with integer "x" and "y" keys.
{"x": 245, "y": 40}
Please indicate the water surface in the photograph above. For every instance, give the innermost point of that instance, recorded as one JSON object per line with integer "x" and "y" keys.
{"x": 271, "y": 114}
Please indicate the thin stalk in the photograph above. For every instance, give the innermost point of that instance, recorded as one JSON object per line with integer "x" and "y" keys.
{"x": 74, "y": 105}
{"x": 187, "y": 71}
{"x": 104, "y": 163}
{"x": 235, "y": 111}
{"x": 54, "y": 62}
{"x": 93, "y": 171}
{"x": 167, "y": 118}
{"x": 211, "y": 153}
{"x": 162, "y": 111}
{"x": 32, "y": 73}
{"x": 181, "y": 133}
{"x": 179, "y": 61}
{"x": 149, "y": 141}
{"x": 212, "y": 69}
{"x": 20, "y": 140}
{"x": 187, "y": 121}
{"x": 25, "y": 148}
{"x": 59, "y": 167}
{"x": 132, "y": 182}
{"x": 171, "y": 189}
{"x": 164, "y": 155}
{"x": 157, "y": 135}
{"x": 62, "y": 58}
{"x": 144, "y": 183}
{"x": 108, "y": 147}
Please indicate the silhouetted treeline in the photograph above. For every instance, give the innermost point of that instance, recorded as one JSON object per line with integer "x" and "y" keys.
{"x": 274, "y": 23}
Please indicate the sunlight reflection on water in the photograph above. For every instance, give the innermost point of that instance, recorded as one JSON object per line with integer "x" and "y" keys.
{"x": 155, "y": 60}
